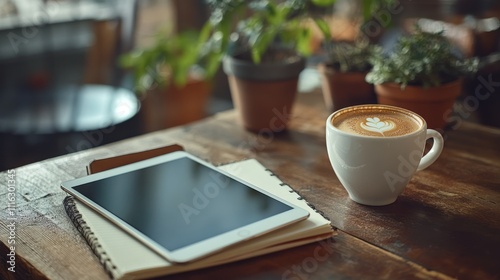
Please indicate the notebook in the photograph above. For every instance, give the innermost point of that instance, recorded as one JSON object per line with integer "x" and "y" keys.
{"x": 124, "y": 257}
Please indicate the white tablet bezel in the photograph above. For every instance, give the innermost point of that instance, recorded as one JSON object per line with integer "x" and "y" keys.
{"x": 199, "y": 249}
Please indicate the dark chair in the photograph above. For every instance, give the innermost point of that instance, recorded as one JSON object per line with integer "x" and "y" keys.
{"x": 60, "y": 86}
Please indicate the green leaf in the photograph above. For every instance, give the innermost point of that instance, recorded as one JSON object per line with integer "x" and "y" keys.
{"x": 225, "y": 32}
{"x": 323, "y": 27}
{"x": 261, "y": 44}
{"x": 367, "y": 9}
{"x": 272, "y": 10}
{"x": 323, "y": 3}
{"x": 303, "y": 42}
{"x": 212, "y": 63}
{"x": 205, "y": 33}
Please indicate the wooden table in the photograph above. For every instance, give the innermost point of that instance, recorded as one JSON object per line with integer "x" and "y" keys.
{"x": 446, "y": 224}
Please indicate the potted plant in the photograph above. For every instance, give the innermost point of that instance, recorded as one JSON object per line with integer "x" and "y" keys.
{"x": 262, "y": 45}
{"x": 173, "y": 89}
{"x": 343, "y": 74}
{"x": 422, "y": 74}
{"x": 348, "y": 60}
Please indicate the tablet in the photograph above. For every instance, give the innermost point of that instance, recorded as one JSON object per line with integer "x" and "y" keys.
{"x": 182, "y": 207}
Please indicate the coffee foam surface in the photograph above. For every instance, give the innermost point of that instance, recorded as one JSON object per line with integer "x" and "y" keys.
{"x": 381, "y": 122}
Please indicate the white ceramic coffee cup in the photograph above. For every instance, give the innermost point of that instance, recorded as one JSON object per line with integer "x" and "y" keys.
{"x": 375, "y": 170}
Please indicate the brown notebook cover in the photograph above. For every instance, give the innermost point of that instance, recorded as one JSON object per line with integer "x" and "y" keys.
{"x": 99, "y": 165}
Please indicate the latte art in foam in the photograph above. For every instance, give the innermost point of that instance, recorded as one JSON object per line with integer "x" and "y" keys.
{"x": 374, "y": 124}
{"x": 377, "y": 120}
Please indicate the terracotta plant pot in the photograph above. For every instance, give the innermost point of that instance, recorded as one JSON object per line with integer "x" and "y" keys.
{"x": 345, "y": 89}
{"x": 263, "y": 93}
{"x": 433, "y": 104}
{"x": 174, "y": 105}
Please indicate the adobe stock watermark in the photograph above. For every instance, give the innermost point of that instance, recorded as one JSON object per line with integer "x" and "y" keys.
{"x": 93, "y": 138}
{"x": 381, "y": 19}
{"x": 266, "y": 135}
{"x": 406, "y": 166}
{"x": 471, "y": 103}
{"x": 309, "y": 265}
{"x": 11, "y": 219}
{"x": 203, "y": 196}
{"x": 31, "y": 30}
{"x": 96, "y": 137}
{"x": 463, "y": 110}
{"x": 152, "y": 80}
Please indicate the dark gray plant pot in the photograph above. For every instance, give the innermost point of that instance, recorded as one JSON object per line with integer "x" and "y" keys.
{"x": 287, "y": 69}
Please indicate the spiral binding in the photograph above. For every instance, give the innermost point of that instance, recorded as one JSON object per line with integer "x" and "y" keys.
{"x": 88, "y": 235}
{"x": 299, "y": 197}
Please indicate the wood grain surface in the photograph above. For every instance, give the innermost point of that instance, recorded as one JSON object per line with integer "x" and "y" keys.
{"x": 445, "y": 225}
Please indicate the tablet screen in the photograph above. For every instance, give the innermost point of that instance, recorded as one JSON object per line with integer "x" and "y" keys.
{"x": 180, "y": 202}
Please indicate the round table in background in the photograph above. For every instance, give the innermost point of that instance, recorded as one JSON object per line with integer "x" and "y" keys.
{"x": 38, "y": 124}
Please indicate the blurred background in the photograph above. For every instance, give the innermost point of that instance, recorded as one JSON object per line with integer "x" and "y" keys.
{"x": 62, "y": 89}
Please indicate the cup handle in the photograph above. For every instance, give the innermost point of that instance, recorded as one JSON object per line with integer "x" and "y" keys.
{"x": 435, "y": 151}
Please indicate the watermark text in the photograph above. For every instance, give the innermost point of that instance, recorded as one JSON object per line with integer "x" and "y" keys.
{"x": 11, "y": 219}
